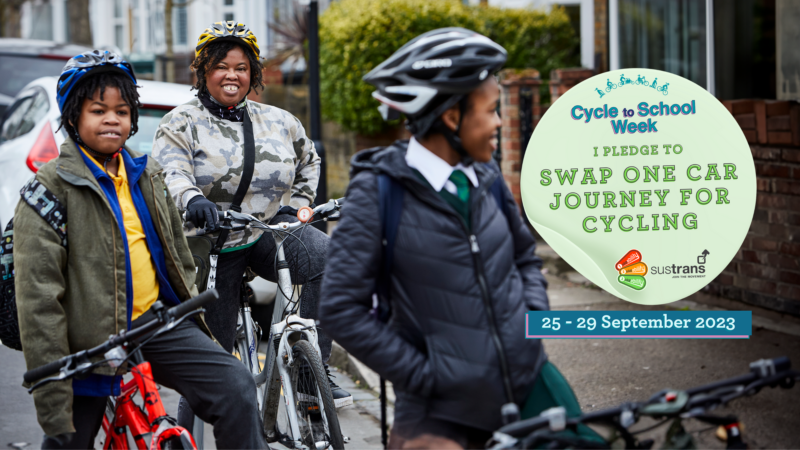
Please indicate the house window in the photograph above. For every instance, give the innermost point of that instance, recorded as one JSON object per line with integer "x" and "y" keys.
{"x": 119, "y": 37}
{"x": 182, "y": 25}
{"x": 228, "y": 17}
{"x": 228, "y": 2}
{"x": 668, "y": 35}
{"x": 42, "y": 23}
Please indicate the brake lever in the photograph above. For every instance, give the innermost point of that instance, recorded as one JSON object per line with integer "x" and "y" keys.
{"x": 63, "y": 374}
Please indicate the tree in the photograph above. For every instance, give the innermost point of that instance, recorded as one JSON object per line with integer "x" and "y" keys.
{"x": 170, "y": 53}
{"x": 79, "y": 27}
{"x": 10, "y": 18}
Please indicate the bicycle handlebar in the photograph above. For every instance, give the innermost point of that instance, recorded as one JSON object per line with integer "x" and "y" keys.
{"x": 45, "y": 370}
{"x": 116, "y": 340}
{"x": 323, "y": 211}
{"x": 763, "y": 372}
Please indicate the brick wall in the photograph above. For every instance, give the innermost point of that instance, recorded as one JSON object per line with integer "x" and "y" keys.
{"x": 766, "y": 269}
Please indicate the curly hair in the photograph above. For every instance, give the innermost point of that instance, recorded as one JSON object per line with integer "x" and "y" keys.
{"x": 216, "y": 52}
{"x": 87, "y": 87}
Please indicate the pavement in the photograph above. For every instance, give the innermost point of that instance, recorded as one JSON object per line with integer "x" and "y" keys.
{"x": 19, "y": 428}
{"x": 603, "y": 372}
{"x": 607, "y": 372}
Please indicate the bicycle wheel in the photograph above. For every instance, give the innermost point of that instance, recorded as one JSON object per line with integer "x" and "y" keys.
{"x": 312, "y": 392}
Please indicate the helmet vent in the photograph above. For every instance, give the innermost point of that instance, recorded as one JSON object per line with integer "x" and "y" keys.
{"x": 396, "y": 62}
{"x": 466, "y": 72}
{"x": 426, "y": 74}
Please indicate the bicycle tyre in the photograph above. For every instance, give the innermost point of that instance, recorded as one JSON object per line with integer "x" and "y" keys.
{"x": 307, "y": 358}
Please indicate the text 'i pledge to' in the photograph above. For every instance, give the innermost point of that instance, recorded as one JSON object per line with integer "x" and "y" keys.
{"x": 630, "y": 126}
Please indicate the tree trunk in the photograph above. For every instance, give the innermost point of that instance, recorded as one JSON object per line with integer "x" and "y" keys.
{"x": 10, "y": 16}
{"x": 170, "y": 56}
{"x": 79, "y": 26}
{"x": 484, "y": 3}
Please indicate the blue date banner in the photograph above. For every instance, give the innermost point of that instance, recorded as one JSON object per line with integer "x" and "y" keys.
{"x": 639, "y": 324}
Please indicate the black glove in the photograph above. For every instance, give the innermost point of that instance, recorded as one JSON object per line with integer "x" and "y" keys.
{"x": 202, "y": 212}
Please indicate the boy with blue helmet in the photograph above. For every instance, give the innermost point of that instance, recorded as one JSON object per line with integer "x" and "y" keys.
{"x": 124, "y": 249}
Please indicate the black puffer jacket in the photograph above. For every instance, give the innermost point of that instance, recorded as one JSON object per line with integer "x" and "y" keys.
{"x": 440, "y": 349}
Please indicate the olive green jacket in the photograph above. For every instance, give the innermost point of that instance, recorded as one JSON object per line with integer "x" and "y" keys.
{"x": 72, "y": 299}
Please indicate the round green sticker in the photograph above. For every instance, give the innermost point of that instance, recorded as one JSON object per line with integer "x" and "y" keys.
{"x": 643, "y": 182}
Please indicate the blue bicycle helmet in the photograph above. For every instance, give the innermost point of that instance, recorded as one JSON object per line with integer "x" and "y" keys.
{"x": 79, "y": 66}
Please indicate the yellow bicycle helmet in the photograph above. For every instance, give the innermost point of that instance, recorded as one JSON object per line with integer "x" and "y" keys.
{"x": 229, "y": 29}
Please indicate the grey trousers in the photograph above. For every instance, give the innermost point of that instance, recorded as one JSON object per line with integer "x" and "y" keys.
{"x": 217, "y": 386}
{"x": 306, "y": 258}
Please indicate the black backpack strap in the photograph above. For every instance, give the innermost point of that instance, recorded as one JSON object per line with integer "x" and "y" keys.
{"x": 499, "y": 193}
{"x": 47, "y": 205}
{"x": 247, "y": 176}
{"x": 390, "y": 207}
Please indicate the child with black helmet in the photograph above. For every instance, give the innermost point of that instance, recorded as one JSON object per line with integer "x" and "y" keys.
{"x": 122, "y": 249}
{"x": 430, "y": 225}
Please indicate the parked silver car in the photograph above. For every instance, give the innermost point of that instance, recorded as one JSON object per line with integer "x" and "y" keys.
{"x": 29, "y": 139}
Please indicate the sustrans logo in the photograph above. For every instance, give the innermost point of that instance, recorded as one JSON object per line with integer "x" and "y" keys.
{"x": 432, "y": 64}
{"x": 683, "y": 270}
{"x": 632, "y": 270}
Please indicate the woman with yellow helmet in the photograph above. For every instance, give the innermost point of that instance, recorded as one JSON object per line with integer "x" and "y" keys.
{"x": 201, "y": 145}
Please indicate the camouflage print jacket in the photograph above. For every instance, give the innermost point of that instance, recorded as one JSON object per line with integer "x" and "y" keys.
{"x": 203, "y": 155}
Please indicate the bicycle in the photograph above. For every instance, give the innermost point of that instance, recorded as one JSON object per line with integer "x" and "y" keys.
{"x": 663, "y": 89}
{"x": 610, "y": 85}
{"x": 641, "y": 80}
{"x": 309, "y": 418}
{"x": 548, "y": 429}
{"x": 126, "y": 424}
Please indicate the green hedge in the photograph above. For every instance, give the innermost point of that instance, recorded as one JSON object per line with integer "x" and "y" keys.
{"x": 357, "y": 35}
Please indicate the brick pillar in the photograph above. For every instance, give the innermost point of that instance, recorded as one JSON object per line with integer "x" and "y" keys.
{"x": 511, "y": 138}
{"x": 562, "y": 80}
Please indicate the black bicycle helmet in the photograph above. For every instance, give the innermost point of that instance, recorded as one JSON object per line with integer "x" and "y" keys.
{"x": 433, "y": 72}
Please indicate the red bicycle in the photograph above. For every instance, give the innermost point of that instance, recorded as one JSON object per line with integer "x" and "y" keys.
{"x": 128, "y": 425}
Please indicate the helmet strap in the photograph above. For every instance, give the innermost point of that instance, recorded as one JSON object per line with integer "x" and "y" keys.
{"x": 452, "y": 136}
{"x": 104, "y": 157}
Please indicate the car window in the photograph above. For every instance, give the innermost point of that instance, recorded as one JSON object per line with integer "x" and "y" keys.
{"x": 18, "y": 71}
{"x": 149, "y": 119}
{"x": 15, "y": 115}
{"x": 24, "y": 114}
{"x": 35, "y": 113}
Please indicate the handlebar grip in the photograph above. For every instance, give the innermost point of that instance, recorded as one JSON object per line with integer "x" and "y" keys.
{"x": 782, "y": 363}
{"x": 43, "y": 371}
{"x": 340, "y": 201}
{"x": 193, "y": 303}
